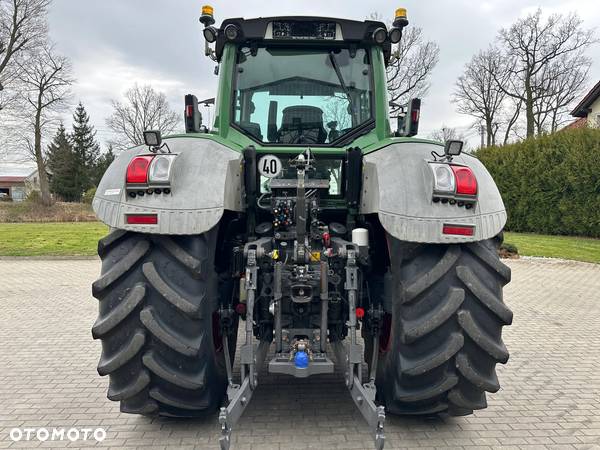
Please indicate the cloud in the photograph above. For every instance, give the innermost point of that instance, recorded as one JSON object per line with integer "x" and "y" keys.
{"x": 115, "y": 43}
{"x": 96, "y": 88}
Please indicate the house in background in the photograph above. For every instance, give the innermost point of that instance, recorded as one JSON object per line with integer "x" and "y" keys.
{"x": 16, "y": 182}
{"x": 588, "y": 110}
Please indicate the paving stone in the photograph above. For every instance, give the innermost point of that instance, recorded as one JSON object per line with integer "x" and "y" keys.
{"x": 549, "y": 398}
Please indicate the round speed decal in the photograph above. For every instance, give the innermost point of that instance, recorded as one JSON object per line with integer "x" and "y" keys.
{"x": 269, "y": 166}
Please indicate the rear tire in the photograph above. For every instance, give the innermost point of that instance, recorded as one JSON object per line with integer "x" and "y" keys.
{"x": 158, "y": 296}
{"x": 447, "y": 319}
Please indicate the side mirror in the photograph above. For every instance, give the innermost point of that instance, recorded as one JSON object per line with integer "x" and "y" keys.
{"x": 192, "y": 116}
{"x": 408, "y": 124}
{"x": 411, "y": 125}
{"x": 400, "y": 119}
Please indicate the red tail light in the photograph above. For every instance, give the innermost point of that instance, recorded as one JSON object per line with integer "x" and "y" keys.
{"x": 460, "y": 230}
{"x": 466, "y": 183}
{"x": 142, "y": 219}
{"x": 137, "y": 170}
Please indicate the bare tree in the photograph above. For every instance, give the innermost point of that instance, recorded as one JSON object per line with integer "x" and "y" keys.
{"x": 22, "y": 28}
{"x": 509, "y": 120}
{"x": 531, "y": 45}
{"x": 561, "y": 82}
{"x": 46, "y": 79}
{"x": 143, "y": 109}
{"x": 446, "y": 134}
{"x": 411, "y": 65}
{"x": 477, "y": 93}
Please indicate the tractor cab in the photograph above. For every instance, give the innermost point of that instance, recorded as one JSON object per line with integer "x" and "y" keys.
{"x": 300, "y": 81}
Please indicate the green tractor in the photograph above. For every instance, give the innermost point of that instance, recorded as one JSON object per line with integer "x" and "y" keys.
{"x": 300, "y": 212}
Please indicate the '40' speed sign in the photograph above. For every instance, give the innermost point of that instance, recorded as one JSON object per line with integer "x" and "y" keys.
{"x": 269, "y": 166}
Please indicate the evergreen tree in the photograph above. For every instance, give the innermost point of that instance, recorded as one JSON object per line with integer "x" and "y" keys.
{"x": 62, "y": 164}
{"x": 85, "y": 148}
{"x": 104, "y": 160}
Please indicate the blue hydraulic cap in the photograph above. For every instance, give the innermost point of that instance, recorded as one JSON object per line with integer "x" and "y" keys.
{"x": 301, "y": 359}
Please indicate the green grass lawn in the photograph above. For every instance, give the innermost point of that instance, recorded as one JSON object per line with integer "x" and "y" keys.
{"x": 81, "y": 239}
{"x": 50, "y": 239}
{"x": 566, "y": 247}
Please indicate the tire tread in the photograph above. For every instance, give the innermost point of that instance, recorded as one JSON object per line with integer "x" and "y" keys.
{"x": 157, "y": 343}
{"x": 447, "y": 318}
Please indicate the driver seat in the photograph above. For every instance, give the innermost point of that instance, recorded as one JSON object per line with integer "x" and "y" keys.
{"x": 302, "y": 125}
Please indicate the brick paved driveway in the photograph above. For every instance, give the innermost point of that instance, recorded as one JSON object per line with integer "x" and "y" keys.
{"x": 550, "y": 395}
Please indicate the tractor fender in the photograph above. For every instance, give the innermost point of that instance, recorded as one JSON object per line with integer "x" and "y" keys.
{"x": 398, "y": 187}
{"x": 206, "y": 179}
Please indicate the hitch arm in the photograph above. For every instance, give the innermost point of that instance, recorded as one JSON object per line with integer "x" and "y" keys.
{"x": 251, "y": 358}
{"x": 363, "y": 395}
{"x": 364, "y": 399}
{"x": 239, "y": 397}
{"x": 350, "y": 358}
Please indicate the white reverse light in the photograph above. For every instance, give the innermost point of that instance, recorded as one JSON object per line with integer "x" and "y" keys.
{"x": 443, "y": 177}
{"x": 160, "y": 169}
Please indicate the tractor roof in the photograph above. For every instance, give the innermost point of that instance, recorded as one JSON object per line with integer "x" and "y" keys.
{"x": 302, "y": 31}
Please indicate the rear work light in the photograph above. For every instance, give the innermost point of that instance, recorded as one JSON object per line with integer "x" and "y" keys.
{"x": 142, "y": 219}
{"x": 137, "y": 170}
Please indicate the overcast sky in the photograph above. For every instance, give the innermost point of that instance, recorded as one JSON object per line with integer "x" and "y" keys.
{"x": 115, "y": 43}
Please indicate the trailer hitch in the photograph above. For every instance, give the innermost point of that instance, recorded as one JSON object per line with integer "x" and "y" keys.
{"x": 252, "y": 358}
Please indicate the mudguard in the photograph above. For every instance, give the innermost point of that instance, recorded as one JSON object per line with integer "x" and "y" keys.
{"x": 398, "y": 187}
{"x": 206, "y": 180}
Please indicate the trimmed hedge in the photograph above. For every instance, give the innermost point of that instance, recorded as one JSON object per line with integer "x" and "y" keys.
{"x": 550, "y": 184}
